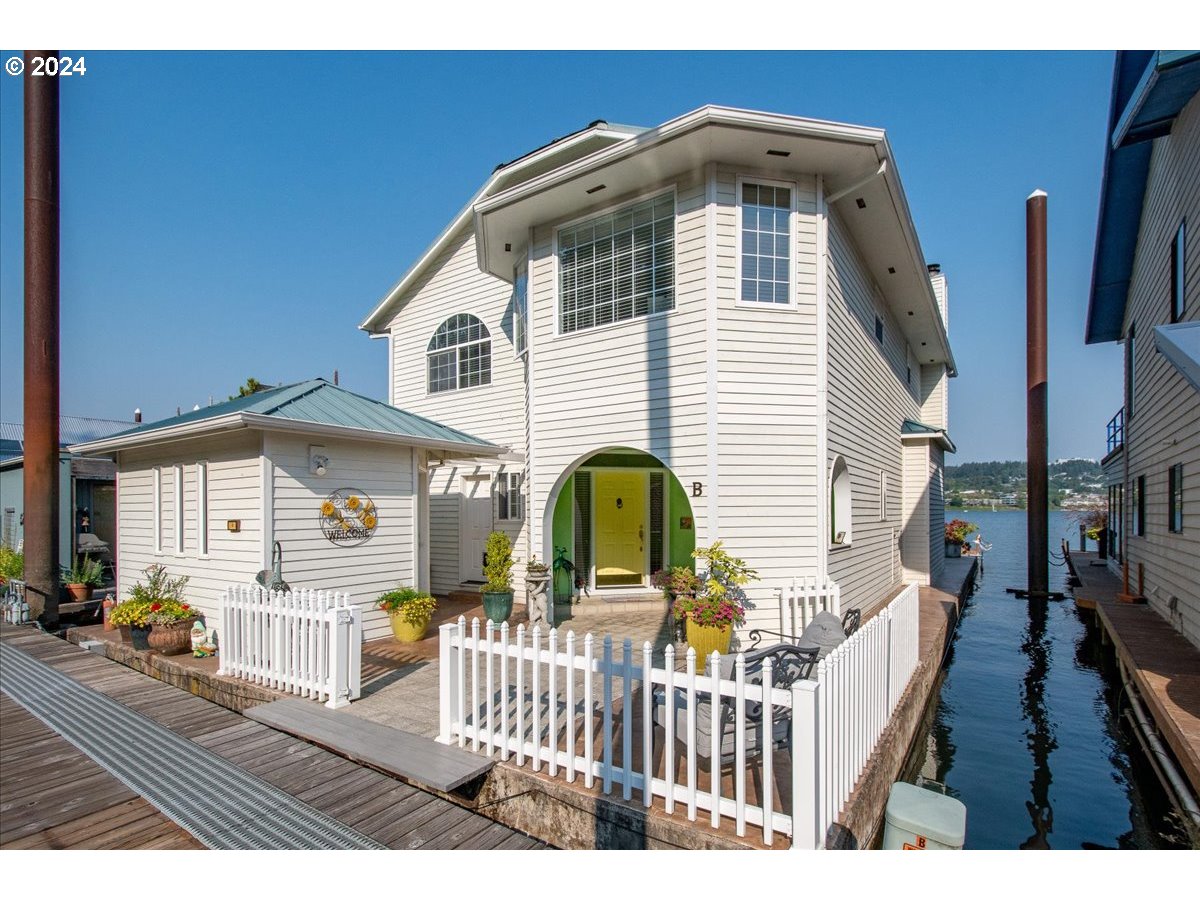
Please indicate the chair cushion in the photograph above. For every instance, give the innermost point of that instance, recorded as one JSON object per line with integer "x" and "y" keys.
{"x": 824, "y": 632}
{"x": 726, "y": 708}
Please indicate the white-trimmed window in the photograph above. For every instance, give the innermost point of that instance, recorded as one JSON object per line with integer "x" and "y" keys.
{"x": 158, "y": 522}
{"x": 510, "y": 502}
{"x": 617, "y": 266}
{"x": 459, "y": 354}
{"x": 202, "y": 507}
{"x": 177, "y": 474}
{"x": 766, "y": 235}
{"x": 840, "y": 526}
{"x": 521, "y": 308}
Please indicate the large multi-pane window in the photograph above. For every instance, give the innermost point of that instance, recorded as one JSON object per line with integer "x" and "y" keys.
{"x": 520, "y": 308}
{"x": 460, "y": 354}
{"x": 617, "y": 266}
{"x": 1178, "y": 267}
{"x": 766, "y": 241}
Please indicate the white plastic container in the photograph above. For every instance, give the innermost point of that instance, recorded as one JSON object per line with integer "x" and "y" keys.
{"x": 921, "y": 819}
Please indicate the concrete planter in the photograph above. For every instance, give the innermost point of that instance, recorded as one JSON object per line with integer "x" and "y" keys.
{"x": 537, "y": 591}
{"x": 953, "y": 551}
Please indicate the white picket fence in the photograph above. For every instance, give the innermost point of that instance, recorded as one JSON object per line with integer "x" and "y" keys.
{"x": 536, "y": 704}
{"x": 307, "y": 643}
{"x": 803, "y": 599}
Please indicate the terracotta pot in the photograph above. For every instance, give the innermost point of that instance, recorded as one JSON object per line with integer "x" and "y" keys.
{"x": 707, "y": 638}
{"x": 80, "y": 593}
{"x": 126, "y": 634}
{"x": 173, "y": 638}
{"x": 406, "y": 632}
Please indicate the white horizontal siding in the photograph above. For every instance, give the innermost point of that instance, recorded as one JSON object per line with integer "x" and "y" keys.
{"x": 233, "y": 493}
{"x": 1165, "y": 426}
{"x": 869, "y": 398}
{"x": 916, "y": 513}
{"x": 383, "y": 472}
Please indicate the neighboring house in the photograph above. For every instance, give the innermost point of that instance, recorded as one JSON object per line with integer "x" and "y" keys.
{"x": 86, "y": 487}
{"x": 335, "y": 478}
{"x": 720, "y": 328}
{"x": 1146, "y": 294}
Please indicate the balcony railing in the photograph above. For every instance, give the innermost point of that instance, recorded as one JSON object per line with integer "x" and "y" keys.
{"x": 1116, "y": 430}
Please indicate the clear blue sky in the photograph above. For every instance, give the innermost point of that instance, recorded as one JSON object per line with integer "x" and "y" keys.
{"x": 236, "y": 214}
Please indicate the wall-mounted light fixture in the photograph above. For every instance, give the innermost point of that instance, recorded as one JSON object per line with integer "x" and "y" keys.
{"x": 318, "y": 462}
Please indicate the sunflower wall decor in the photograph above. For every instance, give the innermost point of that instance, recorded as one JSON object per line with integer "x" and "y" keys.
{"x": 348, "y": 517}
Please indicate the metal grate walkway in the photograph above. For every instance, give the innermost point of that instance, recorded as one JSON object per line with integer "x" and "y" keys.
{"x": 225, "y": 807}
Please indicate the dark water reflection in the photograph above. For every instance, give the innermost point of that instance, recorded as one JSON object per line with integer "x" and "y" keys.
{"x": 1025, "y": 731}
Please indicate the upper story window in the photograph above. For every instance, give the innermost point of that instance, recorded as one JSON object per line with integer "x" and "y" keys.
{"x": 617, "y": 266}
{"x": 765, "y": 230}
{"x": 521, "y": 308}
{"x": 841, "y": 531}
{"x": 1178, "y": 298}
{"x": 460, "y": 354}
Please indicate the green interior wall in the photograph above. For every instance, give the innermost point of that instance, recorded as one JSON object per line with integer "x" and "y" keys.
{"x": 682, "y": 542}
{"x": 564, "y": 523}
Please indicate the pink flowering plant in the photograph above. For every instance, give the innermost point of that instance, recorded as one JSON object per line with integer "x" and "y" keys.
{"x": 719, "y": 598}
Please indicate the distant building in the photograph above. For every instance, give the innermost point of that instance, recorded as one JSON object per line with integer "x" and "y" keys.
{"x": 87, "y": 487}
{"x": 1146, "y": 294}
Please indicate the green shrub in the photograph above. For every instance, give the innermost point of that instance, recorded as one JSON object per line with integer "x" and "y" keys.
{"x": 12, "y": 564}
{"x": 85, "y": 571}
{"x": 497, "y": 569}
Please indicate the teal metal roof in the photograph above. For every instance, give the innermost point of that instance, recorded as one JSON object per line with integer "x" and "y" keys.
{"x": 319, "y": 402}
{"x": 912, "y": 426}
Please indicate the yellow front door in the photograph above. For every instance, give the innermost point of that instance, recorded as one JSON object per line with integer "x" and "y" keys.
{"x": 620, "y": 528}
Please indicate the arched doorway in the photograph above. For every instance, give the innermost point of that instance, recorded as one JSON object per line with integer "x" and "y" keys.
{"x": 616, "y": 516}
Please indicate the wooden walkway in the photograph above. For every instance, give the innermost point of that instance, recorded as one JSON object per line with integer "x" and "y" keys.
{"x": 75, "y": 803}
{"x": 1164, "y": 664}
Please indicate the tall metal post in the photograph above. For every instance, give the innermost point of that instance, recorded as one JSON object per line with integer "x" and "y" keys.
{"x": 1037, "y": 514}
{"x": 41, "y": 343}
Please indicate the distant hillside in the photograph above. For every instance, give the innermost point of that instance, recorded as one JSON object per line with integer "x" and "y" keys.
{"x": 1072, "y": 482}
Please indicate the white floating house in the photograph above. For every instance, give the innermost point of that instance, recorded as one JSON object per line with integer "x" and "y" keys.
{"x": 337, "y": 479}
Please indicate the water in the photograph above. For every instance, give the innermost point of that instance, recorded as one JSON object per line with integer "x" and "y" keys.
{"x": 1025, "y": 731}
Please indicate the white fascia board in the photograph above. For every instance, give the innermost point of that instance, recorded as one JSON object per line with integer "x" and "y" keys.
{"x": 891, "y": 177}
{"x": 647, "y": 140}
{"x": 463, "y": 218}
{"x": 940, "y": 438}
{"x": 160, "y": 435}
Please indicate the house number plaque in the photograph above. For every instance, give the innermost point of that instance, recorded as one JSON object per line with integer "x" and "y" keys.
{"x": 348, "y": 517}
{"x": 697, "y": 489}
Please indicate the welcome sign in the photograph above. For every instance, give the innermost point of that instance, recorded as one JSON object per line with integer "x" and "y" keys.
{"x": 348, "y": 517}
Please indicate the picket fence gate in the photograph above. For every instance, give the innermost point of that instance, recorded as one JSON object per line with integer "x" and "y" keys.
{"x": 307, "y": 643}
{"x": 800, "y": 602}
{"x": 550, "y": 720}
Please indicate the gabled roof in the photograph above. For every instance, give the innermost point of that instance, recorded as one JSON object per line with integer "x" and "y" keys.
{"x": 313, "y": 407}
{"x": 570, "y": 146}
{"x": 856, "y": 163}
{"x": 1150, "y": 87}
{"x": 914, "y": 430}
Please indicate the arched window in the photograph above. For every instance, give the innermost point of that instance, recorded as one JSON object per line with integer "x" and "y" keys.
{"x": 460, "y": 354}
{"x": 840, "y": 526}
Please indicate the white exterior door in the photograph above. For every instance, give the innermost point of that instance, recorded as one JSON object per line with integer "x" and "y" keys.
{"x": 476, "y": 522}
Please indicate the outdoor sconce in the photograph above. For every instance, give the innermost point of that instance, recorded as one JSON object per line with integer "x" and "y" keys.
{"x": 619, "y": 504}
{"x": 318, "y": 462}
{"x": 233, "y": 526}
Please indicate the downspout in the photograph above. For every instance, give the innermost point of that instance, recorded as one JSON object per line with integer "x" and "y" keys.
{"x": 822, "y": 453}
{"x": 713, "y": 504}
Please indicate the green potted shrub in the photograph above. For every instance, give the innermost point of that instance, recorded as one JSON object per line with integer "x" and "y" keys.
{"x": 497, "y": 572}
{"x": 410, "y": 612}
{"x": 718, "y": 604}
{"x": 87, "y": 573}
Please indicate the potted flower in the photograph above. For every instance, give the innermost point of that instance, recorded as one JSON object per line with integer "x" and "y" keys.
{"x": 497, "y": 570}
{"x": 717, "y": 604}
{"x": 956, "y": 536}
{"x": 158, "y": 607}
{"x": 676, "y": 582}
{"x": 85, "y": 574}
{"x": 410, "y": 611}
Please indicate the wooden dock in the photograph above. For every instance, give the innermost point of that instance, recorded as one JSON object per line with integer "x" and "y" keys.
{"x": 71, "y": 801}
{"x": 1163, "y": 664}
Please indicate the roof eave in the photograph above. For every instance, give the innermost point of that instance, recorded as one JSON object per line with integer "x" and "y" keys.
{"x": 277, "y": 423}
{"x": 166, "y": 434}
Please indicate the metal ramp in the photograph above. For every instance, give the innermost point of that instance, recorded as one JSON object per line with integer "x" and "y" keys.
{"x": 223, "y": 806}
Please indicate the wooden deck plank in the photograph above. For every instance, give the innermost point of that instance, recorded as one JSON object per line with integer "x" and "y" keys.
{"x": 407, "y": 755}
